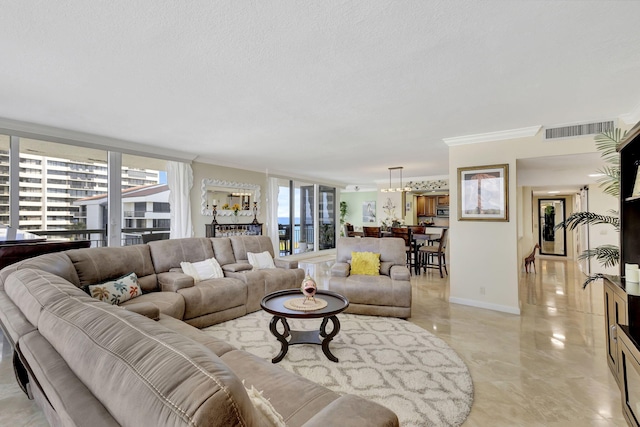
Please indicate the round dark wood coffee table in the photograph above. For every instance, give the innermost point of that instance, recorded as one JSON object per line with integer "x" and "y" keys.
{"x": 273, "y": 303}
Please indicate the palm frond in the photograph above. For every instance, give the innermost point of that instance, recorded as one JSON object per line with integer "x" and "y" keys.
{"x": 607, "y": 143}
{"x": 610, "y": 182}
{"x": 592, "y": 278}
{"x": 587, "y": 218}
{"x": 607, "y": 255}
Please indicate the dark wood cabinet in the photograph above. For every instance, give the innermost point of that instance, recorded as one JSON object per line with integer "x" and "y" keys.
{"x": 226, "y": 230}
{"x": 426, "y": 205}
{"x": 629, "y": 373}
{"x": 443, "y": 200}
{"x": 615, "y": 314}
{"x": 622, "y": 298}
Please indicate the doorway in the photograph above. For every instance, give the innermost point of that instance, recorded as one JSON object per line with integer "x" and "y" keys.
{"x": 551, "y": 213}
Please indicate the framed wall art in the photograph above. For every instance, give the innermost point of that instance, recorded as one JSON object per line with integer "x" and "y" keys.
{"x": 483, "y": 193}
{"x": 369, "y": 212}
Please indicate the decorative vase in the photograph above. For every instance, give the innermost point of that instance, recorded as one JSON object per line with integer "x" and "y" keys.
{"x": 234, "y": 218}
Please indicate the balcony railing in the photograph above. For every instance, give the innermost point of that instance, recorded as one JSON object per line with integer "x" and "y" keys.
{"x": 98, "y": 236}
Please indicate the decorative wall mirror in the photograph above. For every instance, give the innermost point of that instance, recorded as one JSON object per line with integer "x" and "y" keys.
{"x": 226, "y": 194}
{"x": 551, "y": 213}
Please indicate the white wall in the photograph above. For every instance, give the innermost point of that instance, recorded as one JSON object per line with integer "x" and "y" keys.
{"x": 488, "y": 252}
{"x": 204, "y": 170}
{"x": 602, "y": 234}
{"x": 355, "y": 201}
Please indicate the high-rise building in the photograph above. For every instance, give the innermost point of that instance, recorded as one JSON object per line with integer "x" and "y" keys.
{"x": 49, "y": 187}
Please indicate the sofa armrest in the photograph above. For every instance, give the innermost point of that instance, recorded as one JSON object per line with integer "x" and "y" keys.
{"x": 147, "y": 309}
{"x": 340, "y": 269}
{"x": 399, "y": 272}
{"x": 237, "y": 267}
{"x": 285, "y": 263}
{"x": 172, "y": 281}
{"x": 353, "y": 411}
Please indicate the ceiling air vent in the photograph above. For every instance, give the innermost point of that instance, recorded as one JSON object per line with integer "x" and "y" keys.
{"x": 578, "y": 130}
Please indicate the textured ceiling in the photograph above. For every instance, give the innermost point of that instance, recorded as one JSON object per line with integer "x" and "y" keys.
{"x": 333, "y": 90}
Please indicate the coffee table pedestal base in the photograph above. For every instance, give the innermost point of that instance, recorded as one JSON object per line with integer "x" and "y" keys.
{"x": 319, "y": 337}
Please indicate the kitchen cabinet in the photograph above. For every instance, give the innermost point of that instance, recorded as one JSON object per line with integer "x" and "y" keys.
{"x": 426, "y": 205}
{"x": 443, "y": 200}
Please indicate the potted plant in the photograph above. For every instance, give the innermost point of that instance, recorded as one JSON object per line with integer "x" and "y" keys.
{"x": 608, "y": 255}
{"x": 343, "y": 213}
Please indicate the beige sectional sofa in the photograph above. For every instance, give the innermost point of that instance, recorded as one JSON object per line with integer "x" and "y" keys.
{"x": 143, "y": 363}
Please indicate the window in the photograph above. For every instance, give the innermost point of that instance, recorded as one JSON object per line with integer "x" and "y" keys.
{"x": 161, "y": 223}
{"x": 161, "y": 207}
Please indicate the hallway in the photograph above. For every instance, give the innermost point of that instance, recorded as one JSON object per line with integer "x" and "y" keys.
{"x": 546, "y": 367}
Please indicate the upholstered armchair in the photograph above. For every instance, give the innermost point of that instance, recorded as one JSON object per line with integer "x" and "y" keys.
{"x": 386, "y": 288}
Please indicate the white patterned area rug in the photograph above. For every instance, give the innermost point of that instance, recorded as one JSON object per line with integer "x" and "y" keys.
{"x": 387, "y": 360}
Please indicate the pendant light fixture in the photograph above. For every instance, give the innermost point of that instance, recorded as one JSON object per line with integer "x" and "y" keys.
{"x": 399, "y": 189}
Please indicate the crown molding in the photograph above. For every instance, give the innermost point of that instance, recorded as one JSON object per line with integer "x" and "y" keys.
{"x": 493, "y": 136}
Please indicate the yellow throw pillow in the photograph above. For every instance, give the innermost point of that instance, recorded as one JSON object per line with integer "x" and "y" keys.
{"x": 365, "y": 263}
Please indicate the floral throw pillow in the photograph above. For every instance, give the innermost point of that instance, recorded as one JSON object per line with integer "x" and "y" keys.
{"x": 117, "y": 291}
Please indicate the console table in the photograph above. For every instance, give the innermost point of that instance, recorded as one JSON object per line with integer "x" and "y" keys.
{"x": 225, "y": 230}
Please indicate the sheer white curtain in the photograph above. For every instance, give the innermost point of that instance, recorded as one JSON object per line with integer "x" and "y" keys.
{"x": 272, "y": 213}
{"x": 180, "y": 181}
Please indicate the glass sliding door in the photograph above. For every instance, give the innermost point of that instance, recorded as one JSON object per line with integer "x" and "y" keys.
{"x": 286, "y": 219}
{"x": 327, "y": 217}
{"x": 309, "y": 211}
{"x": 305, "y": 200}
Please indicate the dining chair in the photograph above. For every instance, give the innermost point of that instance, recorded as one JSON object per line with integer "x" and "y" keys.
{"x": 405, "y": 234}
{"x": 371, "y": 231}
{"x": 349, "y": 231}
{"x": 432, "y": 256}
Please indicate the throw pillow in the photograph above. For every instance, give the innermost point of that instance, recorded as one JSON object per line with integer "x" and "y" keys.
{"x": 203, "y": 270}
{"x": 265, "y": 407}
{"x": 365, "y": 263}
{"x": 260, "y": 261}
{"x": 117, "y": 291}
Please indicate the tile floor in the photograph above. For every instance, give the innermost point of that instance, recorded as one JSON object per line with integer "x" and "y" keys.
{"x": 546, "y": 367}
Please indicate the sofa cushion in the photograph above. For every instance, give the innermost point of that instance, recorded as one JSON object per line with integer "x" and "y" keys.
{"x": 97, "y": 265}
{"x": 116, "y": 291}
{"x": 31, "y": 289}
{"x": 212, "y": 296}
{"x": 297, "y": 398}
{"x": 169, "y": 303}
{"x": 168, "y": 254}
{"x": 173, "y": 380}
{"x": 202, "y": 270}
{"x": 263, "y": 405}
{"x": 57, "y": 263}
{"x": 73, "y": 402}
{"x": 256, "y": 244}
{"x": 222, "y": 250}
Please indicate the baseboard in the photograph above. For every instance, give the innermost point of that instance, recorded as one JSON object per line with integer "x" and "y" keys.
{"x": 485, "y": 305}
